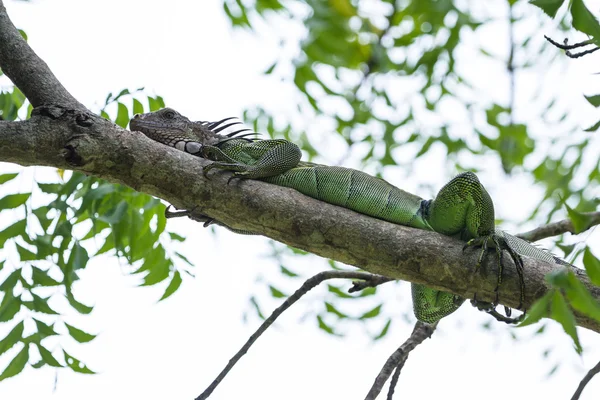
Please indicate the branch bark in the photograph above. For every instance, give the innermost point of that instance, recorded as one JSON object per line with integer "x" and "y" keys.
{"x": 66, "y": 135}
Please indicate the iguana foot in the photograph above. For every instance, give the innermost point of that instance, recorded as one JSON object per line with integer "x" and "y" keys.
{"x": 499, "y": 244}
{"x": 490, "y": 308}
{"x": 191, "y": 214}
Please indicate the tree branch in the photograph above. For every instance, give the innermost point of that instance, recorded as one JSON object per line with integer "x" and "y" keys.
{"x": 558, "y": 228}
{"x": 29, "y": 72}
{"x": 396, "y": 361}
{"x": 82, "y": 141}
{"x": 588, "y": 377}
{"x": 308, "y": 285}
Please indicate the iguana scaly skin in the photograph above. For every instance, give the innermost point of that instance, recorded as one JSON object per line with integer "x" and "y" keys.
{"x": 461, "y": 209}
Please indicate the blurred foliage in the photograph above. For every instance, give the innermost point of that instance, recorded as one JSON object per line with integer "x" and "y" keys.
{"x": 396, "y": 78}
{"x": 54, "y": 232}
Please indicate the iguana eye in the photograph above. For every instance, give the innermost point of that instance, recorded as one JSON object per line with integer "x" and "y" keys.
{"x": 169, "y": 114}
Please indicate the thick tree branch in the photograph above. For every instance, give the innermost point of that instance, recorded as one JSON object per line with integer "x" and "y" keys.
{"x": 85, "y": 142}
{"x": 558, "y": 228}
{"x": 66, "y": 135}
{"x": 27, "y": 71}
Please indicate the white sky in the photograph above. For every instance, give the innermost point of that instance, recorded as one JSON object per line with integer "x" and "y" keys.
{"x": 184, "y": 50}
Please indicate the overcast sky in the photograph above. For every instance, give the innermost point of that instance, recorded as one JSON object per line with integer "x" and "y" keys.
{"x": 186, "y": 52}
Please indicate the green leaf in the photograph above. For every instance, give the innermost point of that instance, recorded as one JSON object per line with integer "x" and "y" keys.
{"x": 287, "y": 272}
{"x": 10, "y": 281}
{"x": 50, "y": 188}
{"x": 539, "y": 310}
{"x": 339, "y": 293}
{"x": 25, "y": 255}
{"x": 138, "y": 108}
{"x": 41, "y": 277}
{"x": 80, "y": 307}
{"x": 580, "y": 221}
{"x": 175, "y": 236}
{"x": 78, "y": 258}
{"x": 325, "y": 327}
{"x": 17, "y": 364}
{"x": 550, "y": 7}
{"x": 384, "y": 331}
{"x": 79, "y": 335}
{"x": 331, "y": 309}
{"x": 173, "y": 285}
{"x": 9, "y": 307}
{"x": 593, "y": 100}
{"x": 13, "y": 200}
{"x": 593, "y": 128}
{"x": 592, "y": 266}
{"x": 13, "y": 337}
{"x": 48, "y": 357}
{"x": 40, "y": 304}
{"x": 583, "y": 20}
{"x": 43, "y": 329}
{"x": 14, "y": 230}
{"x": 122, "y": 115}
{"x": 7, "y": 177}
{"x": 76, "y": 365}
{"x": 562, "y": 314}
{"x": 372, "y": 313}
{"x": 276, "y": 292}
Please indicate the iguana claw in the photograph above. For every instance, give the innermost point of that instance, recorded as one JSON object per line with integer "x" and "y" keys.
{"x": 500, "y": 244}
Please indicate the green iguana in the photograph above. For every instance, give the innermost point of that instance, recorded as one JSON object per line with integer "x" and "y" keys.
{"x": 462, "y": 208}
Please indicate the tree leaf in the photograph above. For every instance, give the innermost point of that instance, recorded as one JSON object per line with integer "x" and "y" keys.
{"x": 80, "y": 307}
{"x": 9, "y": 307}
{"x": 562, "y": 314}
{"x": 592, "y": 266}
{"x": 13, "y": 337}
{"x": 43, "y": 329}
{"x": 539, "y": 310}
{"x": 7, "y": 177}
{"x": 17, "y": 364}
{"x": 13, "y": 200}
{"x": 173, "y": 286}
{"x": 25, "y": 255}
{"x": 550, "y": 7}
{"x": 14, "y": 230}
{"x": 593, "y": 100}
{"x": 138, "y": 108}
{"x": 41, "y": 278}
{"x": 372, "y": 313}
{"x": 122, "y": 115}
{"x": 384, "y": 331}
{"x": 79, "y": 335}
{"x": 76, "y": 365}
{"x": 584, "y": 20}
{"x": 278, "y": 294}
{"x": 47, "y": 356}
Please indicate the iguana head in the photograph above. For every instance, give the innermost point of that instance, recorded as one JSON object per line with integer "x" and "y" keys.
{"x": 169, "y": 127}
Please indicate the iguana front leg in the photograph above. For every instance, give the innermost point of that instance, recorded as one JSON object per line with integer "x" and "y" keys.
{"x": 260, "y": 159}
{"x": 463, "y": 208}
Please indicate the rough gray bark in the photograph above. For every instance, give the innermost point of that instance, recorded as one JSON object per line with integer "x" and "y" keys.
{"x": 64, "y": 134}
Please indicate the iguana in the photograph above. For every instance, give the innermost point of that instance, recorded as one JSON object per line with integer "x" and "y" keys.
{"x": 462, "y": 208}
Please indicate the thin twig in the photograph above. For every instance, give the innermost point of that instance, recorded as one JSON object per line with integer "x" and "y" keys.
{"x": 306, "y": 286}
{"x": 558, "y": 228}
{"x": 396, "y": 361}
{"x": 585, "y": 381}
{"x": 568, "y": 47}
{"x": 375, "y": 280}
